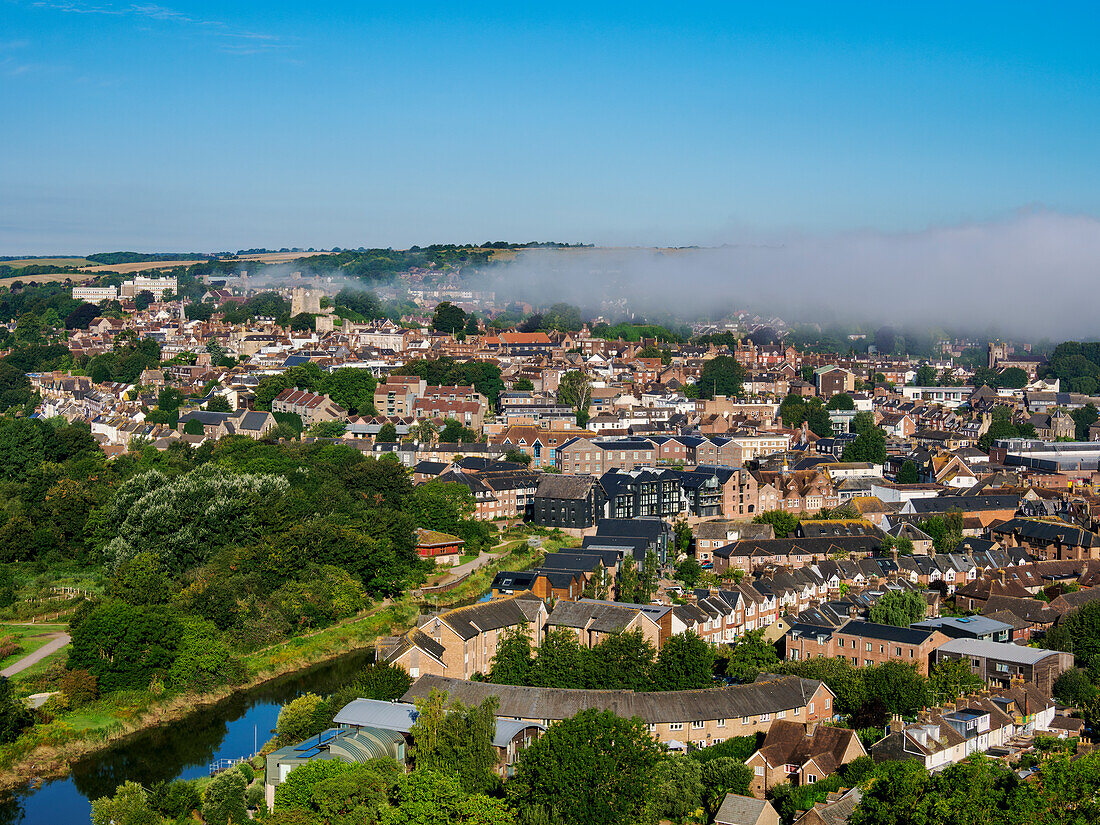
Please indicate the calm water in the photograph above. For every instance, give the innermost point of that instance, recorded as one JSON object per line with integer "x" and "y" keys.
{"x": 180, "y": 750}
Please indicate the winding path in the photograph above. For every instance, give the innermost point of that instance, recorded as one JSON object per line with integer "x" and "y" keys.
{"x": 52, "y": 646}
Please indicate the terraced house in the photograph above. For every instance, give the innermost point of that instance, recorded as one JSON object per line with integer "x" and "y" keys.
{"x": 463, "y": 641}
{"x": 865, "y": 644}
{"x": 677, "y": 719}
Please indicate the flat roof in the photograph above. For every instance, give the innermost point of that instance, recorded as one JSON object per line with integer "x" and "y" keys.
{"x": 1004, "y": 651}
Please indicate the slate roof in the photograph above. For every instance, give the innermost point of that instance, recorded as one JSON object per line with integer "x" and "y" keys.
{"x": 886, "y": 632}
{"x": 1048, "y": 532}
{"x": 740, "y": 810}
{"x": 768, "y": 696}
{"x": 553, "y": 485}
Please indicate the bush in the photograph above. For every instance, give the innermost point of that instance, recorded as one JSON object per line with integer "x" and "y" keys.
{"x": 254, "y": 796}
{"x": 246, "y": 769}
{"x": 81, "y": 686}
{"x": 8, "y": 646}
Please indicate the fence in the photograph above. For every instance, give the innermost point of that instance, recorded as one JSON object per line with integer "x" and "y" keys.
{"x": 219, "y": 765}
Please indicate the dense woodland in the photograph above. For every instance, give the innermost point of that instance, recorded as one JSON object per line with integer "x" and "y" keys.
{"x": 196, "y": 557}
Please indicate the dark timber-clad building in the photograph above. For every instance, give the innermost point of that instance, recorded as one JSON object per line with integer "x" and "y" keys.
{"x": 574, "y": 502}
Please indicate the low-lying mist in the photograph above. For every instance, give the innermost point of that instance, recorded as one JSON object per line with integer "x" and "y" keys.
{"x": 1036, "y": 274}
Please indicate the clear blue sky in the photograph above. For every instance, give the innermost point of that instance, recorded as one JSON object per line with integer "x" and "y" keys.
{"x": 225, "y": 125}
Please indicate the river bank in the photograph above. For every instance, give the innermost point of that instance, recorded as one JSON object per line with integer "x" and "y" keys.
{"x": 48, "y": 750}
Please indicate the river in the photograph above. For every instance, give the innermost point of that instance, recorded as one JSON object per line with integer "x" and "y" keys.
{"x": 182, "y": 749}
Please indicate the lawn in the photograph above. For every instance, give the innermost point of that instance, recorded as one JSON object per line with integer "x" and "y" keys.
{"x": 29, "y": 637}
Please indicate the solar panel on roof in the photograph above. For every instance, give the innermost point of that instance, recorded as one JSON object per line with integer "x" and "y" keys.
{"x": 309, "y": 754}
{"x": 321, "y": 739}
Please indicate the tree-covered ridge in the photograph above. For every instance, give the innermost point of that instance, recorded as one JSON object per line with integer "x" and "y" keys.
{"x": 113, "y": 258}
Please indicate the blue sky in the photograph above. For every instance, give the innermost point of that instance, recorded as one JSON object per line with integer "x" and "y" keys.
{"x": 209, "y": 126}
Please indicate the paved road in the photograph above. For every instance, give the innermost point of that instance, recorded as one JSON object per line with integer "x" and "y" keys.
{"x": 52, "y": 646}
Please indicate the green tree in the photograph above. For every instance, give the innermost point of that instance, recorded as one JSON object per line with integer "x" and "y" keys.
{"x": 869, "y": 445}
{"x": 926, "y": 376}
{"x": 517, "y": 457}
{"x": 951, "y": 678}
{"x": 219, "y": 403}
{"x": 1012, "y": 378}
{"x": 792, "y": 410}
{"x": 454, "y": 433}
{"x": 688, "y": 571}
{"x": 143, "y": 299}
{"x": 908, "y": 473}
{"x": 140, "y": 580}
{"x": 817, "y": 418}
{"x": 203, "y": 660}
{"x": 456, "y": 738}
{"x": 621, "y": 661}
{"x": 899, "y": 608}
{"x": 223, "y": 799}
{"x": 448, "y": 318}
{"x": 841, "y": 401}
{"x": 511, "y": 664}
{"x": 523, "y": 385}
{"x": 751, "y": 655}
{"x": 558, "y": 662}
{"x": 684, "y": 662}
{"x": 898, "y": 686}
{"x": 15, "y": 717}
{"x": 575, "y": 391}
{"x": 724, "y": 775}
{"x": 678, "y": 790}
{"x": 328, "y": 429}
{"x": 301, "y": 718}
{"x": 387, "y": 434}
{"x": 897, "y": 796}
{"x": 1079, "y": 633}
{"x": 591, "y": 769}
{"x": 193, "y": 427}
{"x": 124, "y": 645}
{"x": 721, "y": 375}
{"x": 1084, "y": 418}
{"x": 782, "y": 522}
{"x": 129, "y": 806}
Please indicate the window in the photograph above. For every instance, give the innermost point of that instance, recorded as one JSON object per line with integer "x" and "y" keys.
{"x": 897, "y": 651}
{"x": 759, "y": 770}
{"x": 676, "y": 726}
{"x": 721, "y": 723}
{"x": 744, "y": 720}
{"x": 780, "y": 714}
{"x": 696, "y": 725}
{"x": 868, "y": 647}
{"x": 811, "y": 778}
{"x": 811, "y": 708}
{"x": 765, "y": 717}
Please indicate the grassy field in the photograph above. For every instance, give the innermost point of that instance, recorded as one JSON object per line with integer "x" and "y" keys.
{"x": 76, "y": 277}
{"x": 29, "y": 638}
